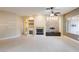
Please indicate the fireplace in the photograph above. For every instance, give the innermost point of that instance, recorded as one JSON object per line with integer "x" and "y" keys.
{"x": 39, "y": 31}
{"x": 30, "y": 31}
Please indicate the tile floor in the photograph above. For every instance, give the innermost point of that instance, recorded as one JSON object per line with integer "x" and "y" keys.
{"x": 36, "y": 44}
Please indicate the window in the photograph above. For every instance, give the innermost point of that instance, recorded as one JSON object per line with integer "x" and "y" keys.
{"x": 72, "y": 25}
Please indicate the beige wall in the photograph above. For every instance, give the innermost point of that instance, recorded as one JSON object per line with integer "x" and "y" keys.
{"x": 40, "y": 21}
{"x": 10, "y": 25}
{"x": 61, "y": 24}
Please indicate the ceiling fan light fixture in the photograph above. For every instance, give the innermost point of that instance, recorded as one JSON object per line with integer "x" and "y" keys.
{"x": 51, "y": 15}
{"x": 52, "y": 12}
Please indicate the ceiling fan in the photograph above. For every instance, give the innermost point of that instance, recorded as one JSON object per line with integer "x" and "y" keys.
{"x": 52, "y": 13}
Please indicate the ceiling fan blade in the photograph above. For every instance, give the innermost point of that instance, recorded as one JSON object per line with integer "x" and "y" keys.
{"x": 57, "y": 12}
{"x": 50, "y": 8}
{"x": 47, "y": 8}
{"x": 52, "y": 12}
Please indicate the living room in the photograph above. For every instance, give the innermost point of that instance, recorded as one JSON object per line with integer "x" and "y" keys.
{"x": 38, "y": 29}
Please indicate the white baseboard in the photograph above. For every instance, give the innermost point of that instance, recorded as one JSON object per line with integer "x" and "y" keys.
{"x": 10, "y": 37}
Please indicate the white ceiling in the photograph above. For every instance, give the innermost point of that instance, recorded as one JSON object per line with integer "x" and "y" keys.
{"x": 28, "y": 11}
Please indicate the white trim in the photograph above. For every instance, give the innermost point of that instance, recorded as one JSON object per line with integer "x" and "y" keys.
{"x": 5, "y": 38}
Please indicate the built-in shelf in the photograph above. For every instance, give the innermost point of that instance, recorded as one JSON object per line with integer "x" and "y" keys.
{"x": 31, "y": 23}
{"x": 29, "y": 26}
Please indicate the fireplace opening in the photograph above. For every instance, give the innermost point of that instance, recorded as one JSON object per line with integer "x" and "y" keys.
{"x": 39, "y": 31}
{"x": 31, "y": 32}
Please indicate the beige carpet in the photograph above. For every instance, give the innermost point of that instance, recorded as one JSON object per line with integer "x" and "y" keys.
{"x": 36, "y": 44}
